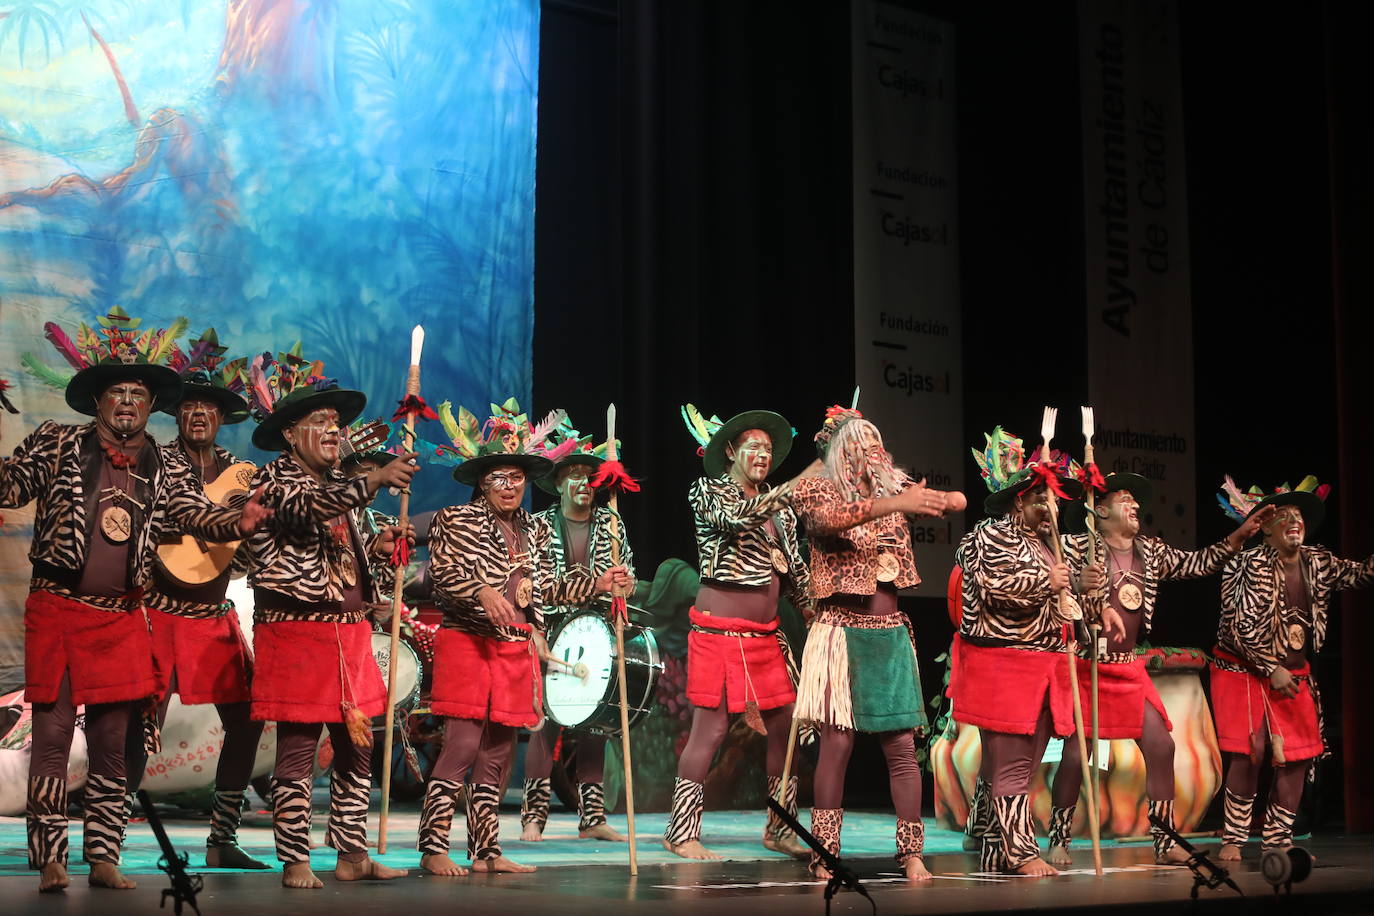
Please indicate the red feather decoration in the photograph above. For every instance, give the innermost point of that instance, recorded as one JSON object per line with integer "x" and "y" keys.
{"x": 64, "y": 345}
{"x": 612, "y": 474}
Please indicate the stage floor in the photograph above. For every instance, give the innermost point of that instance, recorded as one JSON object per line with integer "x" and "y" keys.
{"x": 578, "y": 876}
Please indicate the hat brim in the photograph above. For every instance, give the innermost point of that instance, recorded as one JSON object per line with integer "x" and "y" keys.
{"x": 997, "y": 503}
{"x": 269, "y": 434}
{"x": 1309, "y": 504}
{"x": 382, "y": 458}
{"x": 777, "y": 427}
{"x": 1137, "y": 486}
{"x": 89, "y": 383}
{"x": 233, "y": 408}
{"x": 549, "y": 482}
{"x": 471, "y": 471}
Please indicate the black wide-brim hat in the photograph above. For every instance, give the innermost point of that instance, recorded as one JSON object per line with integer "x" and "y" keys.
{"x": 1076, "y": 512}
{"x": 998, "y": 502}
{"x": 549, "y": 482}
{"x": 381, "y": 456}
{"x": 1309, "y": 504}
{"x": 268, "y": 436}
{"x": 777, "y": 427}
{"x": 233, "y": 408}
{"x": 471, "y": 471}
{"x": 89, "y": 383}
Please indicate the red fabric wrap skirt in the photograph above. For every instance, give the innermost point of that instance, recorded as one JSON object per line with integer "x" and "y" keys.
{"x": 1004, "y": 690}
{"x": 736, "y": 669}
{"x": 297, "y": 675}
{"x": 209, "y": 656}
{"x": 1243, "y": 704}
{"x": 479, "y": 678}
{"x": 1122, "y": 692}
{"x": 108, "y": 655}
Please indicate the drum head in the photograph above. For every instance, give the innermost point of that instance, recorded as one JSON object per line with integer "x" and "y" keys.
{"x": 407, "y": 669}
{"x": 586, "y": 643}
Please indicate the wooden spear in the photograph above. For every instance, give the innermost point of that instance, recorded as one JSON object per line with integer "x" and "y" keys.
{"x": 619, "y": 621}
{"x": 417, "y": 343}
{"x": 1046, "y": 434}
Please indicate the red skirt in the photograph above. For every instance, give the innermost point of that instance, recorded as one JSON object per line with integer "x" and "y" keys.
{"x": 736, "y": 668}
{"x": 1243, "y": 704}
{"x": 1004, "y": 690}
{"x": 1122, "y": 692}
{"x": 209, "y": 656}
{"x": 479, "y": 678}
{"x": 108, "y": 655}
{"x": 297, "y": 676}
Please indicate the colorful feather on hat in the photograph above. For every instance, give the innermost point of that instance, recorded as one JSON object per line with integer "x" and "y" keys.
{"x": 45, "y": 373}
{"x": 546, "y": 427}
{"x": 701, "y": 428}
{"x": 63, "y": 344}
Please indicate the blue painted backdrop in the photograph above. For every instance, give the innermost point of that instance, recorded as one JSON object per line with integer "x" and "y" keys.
{"x": 333, "y": 171}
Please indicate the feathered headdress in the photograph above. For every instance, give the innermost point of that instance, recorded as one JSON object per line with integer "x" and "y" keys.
{"x": 285, "y": 388}
{"x": 566, "y": 446}
{"x": 507, "y": 435}
{"x": 835, "y": 417}
{"x": 1238, "y": 505}
{"x": 205, "y": 373}
{"x": 702, "y": 428}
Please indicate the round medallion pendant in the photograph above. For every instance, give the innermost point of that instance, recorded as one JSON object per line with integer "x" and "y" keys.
{"x": 888, "y": 567}
{"x": 1297, "y": 637}
{"x": 779, "y": 560}
{"x": 116, "y": 524}
{"x": 1130, "y": 597}
{"x": 524, "y": 592}
{"x": 348, "y": 572}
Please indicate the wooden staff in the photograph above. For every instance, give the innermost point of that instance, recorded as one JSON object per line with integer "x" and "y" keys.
{"x": 417, "y": 343}
{"x": 1046, "y": 434}
{"x": 619, "y": 621}
{"x": 1094, "y": 626}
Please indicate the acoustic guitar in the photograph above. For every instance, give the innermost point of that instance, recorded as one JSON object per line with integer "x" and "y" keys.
{"x": 191, "y": 561}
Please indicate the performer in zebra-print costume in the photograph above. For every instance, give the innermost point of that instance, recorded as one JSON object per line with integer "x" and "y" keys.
{"x": 1128, "y": 570}
{"x": 859, "y": 670}
{"x": 105, "y": 494}
{"x": 579, "y": 537}
{"x": 737, "y": 657}
{"x": 491, "y": 576}
{"x": 313, "y": 593}
{"x": 1274, "y": 600}
{"x": 1010, "y": 676}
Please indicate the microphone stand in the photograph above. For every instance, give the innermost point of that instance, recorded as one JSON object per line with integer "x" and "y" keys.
{"x": 185, "y": 885}
{"x": 1205, "y": 871}
{"x": 840, "y": 874}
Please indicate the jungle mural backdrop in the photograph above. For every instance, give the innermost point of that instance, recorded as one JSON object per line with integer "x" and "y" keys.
{"x": 316, "y": 170}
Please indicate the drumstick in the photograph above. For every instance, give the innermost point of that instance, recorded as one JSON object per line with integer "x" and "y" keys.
{"x": 417, "y": 342}
{"x": 620, "y": 655}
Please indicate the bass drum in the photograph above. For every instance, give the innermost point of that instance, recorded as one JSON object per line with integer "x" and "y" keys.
{"x": 408, "y": 676}
{"x": 582, "y": 687}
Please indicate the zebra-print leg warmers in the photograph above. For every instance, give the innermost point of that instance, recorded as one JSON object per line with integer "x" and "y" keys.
{"x": 436, "y": 817}
{"x": 291, "y": 819}
{"x": 107, "y": 812}
{"x": 1061, "y": 826}
{"x": 225, "y": 817}
{"x": 980, "y": 821}
{"x": 775, "y": 828}
{"x": 1237, "y": 813}
{"x": 46, "y": 817}
{"x": 349, "y": 796}
{"x": 591, "y": 805}
{"x": 1278, "y": 826}
{"x": 689, "y": 800}
{"x": 534, "y": 808}
{"x": 484, "y": 824}
{"x": 1164, "y": 810}
{"x": 1018, "y": 833}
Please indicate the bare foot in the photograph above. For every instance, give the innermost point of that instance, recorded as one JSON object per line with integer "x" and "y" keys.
{"x": 106, "y": 874}
{"x": 230, "y": 857}
{"x": 601, "y": 832}
{"x": 53, "y": 878}
{"x": 1175, "y": 856}
{"x": 1059, "y": 857}
{"x": 821, "y": 872}
{"x": 916, "y": 869}
{"x": 440, "y": 864}
{"x": 1230, "y": 852}
{"x": 367, "y": 870}
{"x": 1036, "y": 868}
{"x": 787, "y": 845}
{"x": 299, "y": 875}
{"x": 500, "y": 865}
{"x": 692, "y": 849}
{"x": 532, "y": 833}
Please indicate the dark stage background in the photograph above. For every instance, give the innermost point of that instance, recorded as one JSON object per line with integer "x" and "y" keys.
{"x": 693, "y": 243}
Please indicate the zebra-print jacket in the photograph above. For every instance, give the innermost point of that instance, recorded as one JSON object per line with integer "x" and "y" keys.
{"x": 1007, "y": 599}
{"x": 1252, "y": 600}
{"x": 733, "y": 544}
{"x": 57, "y": 464}
{"x": 290, "y": 552}
{"x": 1159, "y": 560}
{"x": 598, "y": 548}
{"x": 467, "y": 553}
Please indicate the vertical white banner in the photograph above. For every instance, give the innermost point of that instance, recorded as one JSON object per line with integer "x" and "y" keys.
{"x": 1139, "y": 311}
{"x": 907, "y": 334}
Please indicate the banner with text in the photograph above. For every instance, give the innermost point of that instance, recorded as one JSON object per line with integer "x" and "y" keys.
{"x": 1139, "y": 312}
{"x": 907, "y": 334}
